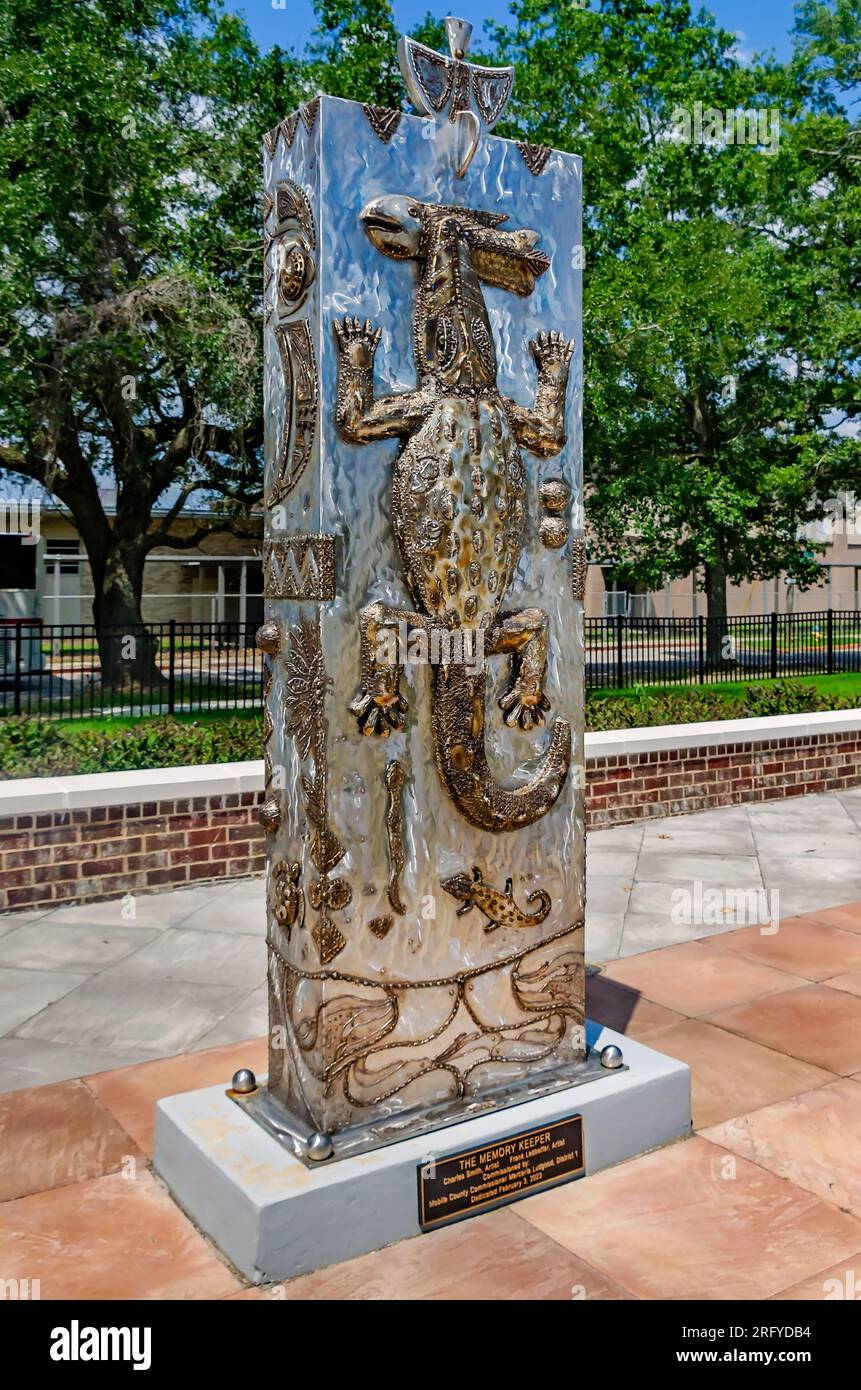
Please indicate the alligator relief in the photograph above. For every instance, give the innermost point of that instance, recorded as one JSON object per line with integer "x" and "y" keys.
{"x": 458, "y": 496}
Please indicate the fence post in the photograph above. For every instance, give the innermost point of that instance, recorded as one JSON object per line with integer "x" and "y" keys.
{"x": 17, "y": 704}
{"x": 701, "y": 655}
{"x": 171, "y": 667}
{"x": 620, "y": 660}
{"x": 773, "y": 664}
{"x": 831, "y": 641}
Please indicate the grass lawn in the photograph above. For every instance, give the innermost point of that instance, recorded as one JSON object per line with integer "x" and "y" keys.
{"x": 112, "y": 723}
{"x": 845, "y": 686}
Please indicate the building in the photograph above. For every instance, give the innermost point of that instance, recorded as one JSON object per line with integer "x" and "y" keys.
{"x": 221, "y": 580}
{"x": 46, "y": 574}
{"x": 839, "y": 586}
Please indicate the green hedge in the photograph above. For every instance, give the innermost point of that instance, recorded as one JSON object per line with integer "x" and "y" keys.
{"x": 41, "y": 748}
{"x": 641, "y": 708}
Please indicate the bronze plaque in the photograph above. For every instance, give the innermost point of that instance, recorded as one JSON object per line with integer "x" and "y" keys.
{"x": 471, "y": 1181}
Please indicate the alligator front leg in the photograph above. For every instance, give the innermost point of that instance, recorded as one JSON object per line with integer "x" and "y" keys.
{"x": 541, "y": 428}
{"x": 380, "y": 707}
{"x": 524, "y": 635}
{"x": 360, "y": 418}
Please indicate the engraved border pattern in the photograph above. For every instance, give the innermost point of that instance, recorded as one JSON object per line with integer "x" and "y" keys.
{"x": 357, "y": 1027}
{"x": 300, "y": 567}
{"x": 579, "y": 569}
{"x": 301, "y": 385}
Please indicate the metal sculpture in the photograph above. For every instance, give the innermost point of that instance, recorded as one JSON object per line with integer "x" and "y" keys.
{"x": 422, "y": 476}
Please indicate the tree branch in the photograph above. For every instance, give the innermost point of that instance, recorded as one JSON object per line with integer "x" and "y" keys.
{"x": 197, "y": 536}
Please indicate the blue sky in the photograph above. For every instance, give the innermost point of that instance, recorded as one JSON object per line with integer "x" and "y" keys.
{"x": 760, "y": 24}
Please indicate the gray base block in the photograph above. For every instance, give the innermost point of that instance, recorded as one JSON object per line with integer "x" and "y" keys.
{"x": 275, "y": 1218}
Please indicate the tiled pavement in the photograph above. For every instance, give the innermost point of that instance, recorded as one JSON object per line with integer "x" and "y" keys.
{"x": 764, "y": 1201}
{"x": 90, "y": 988}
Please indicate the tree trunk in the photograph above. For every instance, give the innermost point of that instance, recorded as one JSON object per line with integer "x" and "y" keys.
{"x": 719, "y": 652}
{"x": 127, "y": 651}
{"x": 117, "y": 555}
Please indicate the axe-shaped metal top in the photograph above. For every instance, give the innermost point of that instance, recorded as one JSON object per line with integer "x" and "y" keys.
{"x": 469, "y": 95}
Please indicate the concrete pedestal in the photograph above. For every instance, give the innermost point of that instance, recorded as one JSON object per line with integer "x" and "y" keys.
{"x": 275, "y": 1218}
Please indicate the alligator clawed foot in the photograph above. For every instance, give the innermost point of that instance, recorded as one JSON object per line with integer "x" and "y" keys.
{"x": 381, "y": 713}
{"x": 552, "y": 352}
{"x": 524, "y": 707}
{"x": 357, "y": 341}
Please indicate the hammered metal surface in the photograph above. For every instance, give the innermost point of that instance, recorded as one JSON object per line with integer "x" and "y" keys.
{"x": 386, "y": 996}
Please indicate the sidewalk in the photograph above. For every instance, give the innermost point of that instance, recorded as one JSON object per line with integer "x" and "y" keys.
{"x": 83, "y": 990}
{"x": 763, "y": 1202}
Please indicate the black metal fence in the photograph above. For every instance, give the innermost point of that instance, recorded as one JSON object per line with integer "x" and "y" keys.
{"x": 67, "y": 671}
{"x": 624, "y": 651}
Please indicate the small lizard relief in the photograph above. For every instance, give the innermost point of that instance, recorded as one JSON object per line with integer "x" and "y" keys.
{"x": 500, "y": 909}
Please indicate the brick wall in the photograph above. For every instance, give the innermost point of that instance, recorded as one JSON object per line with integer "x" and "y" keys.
{"x": 52, "y": 857}
{"x": 106, "y": 851}
{"x": 676, "y": 781}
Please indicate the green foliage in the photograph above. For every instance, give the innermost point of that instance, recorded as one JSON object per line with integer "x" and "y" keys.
{"x": 646, "y": 709}
{"x": 129, "y": 303}
{"x": 42, "y": 748}
{"x": 354, "y": 53}
{"x": 128, "y": 203}
{"x": 721, "y": 317}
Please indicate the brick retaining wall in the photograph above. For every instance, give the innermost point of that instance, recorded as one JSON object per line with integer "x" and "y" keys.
{"x": 676, "y": 781}
{"x": 107, "y": 851}
{"x": 84, "y": 853}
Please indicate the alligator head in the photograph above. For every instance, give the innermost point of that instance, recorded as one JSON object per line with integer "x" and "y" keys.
{"x": 458, "y": 250}
{"x": 407, "y": 230}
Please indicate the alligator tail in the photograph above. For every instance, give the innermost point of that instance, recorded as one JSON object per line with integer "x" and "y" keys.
{"x": 459, "y": 707}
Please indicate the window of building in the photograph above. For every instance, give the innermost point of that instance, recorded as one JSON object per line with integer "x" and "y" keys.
{"x": 67, "y": 552}
{"x": 17, "y": 564}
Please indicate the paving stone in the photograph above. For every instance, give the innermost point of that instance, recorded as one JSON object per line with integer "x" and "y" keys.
{"x": 110, "y": 1238}
{"x": 491, "y": 1257}
{"x": 603, "y": 934}
{"x": 206, "y": 958}
{"x": 731, "y": 1075}
{"x": 812, "y": 1139}
{"x": 54, "y": 1135}
{"x": 130, "y": 1093}
{"x": 818, "y": 1025}
{"x": 24, "y": 993}
{"x": 156, "y": 1017}
{"x": 801, "y": 946}
{"x": 695, "y": 978}
{"x": 28, "y": 1062}
{"x": 249, "y": 1019}
{"x": 81, "y": 949}
{"x": 669, "y": 1225}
